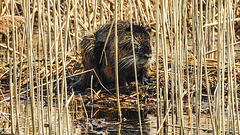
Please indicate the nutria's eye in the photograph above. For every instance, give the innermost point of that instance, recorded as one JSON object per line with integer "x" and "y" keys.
{"x": 149, "y": 30}
{"x": 147, "y": 56}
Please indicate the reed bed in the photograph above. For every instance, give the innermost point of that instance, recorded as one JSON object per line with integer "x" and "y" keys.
{"x": 193, "y": 84}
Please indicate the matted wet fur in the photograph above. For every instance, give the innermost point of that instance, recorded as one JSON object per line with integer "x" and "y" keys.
{"x": 93, "y": 45}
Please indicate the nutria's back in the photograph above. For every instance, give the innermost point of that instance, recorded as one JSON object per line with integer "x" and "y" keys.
{"x": 103, "y": 63}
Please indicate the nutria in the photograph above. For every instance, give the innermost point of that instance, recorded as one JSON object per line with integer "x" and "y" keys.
{"x": 92, "y": 47}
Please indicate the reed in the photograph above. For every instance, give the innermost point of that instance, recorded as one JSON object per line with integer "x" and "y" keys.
{"x": 135, "y": 69}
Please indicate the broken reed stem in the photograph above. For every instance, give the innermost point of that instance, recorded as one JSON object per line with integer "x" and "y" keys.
{"x": 116, "y": 64}
{"x": 85, "y": 111}
{"x": 164, "y": 119}
{"x": 135, "y": 68}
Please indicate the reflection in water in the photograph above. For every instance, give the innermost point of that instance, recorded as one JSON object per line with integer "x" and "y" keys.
{"x": 106, "y": 122}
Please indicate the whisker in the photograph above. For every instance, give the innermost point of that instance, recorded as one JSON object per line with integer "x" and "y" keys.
{"x": 124, "y": 60}
{"x": 130, "y": 63}
{"x": 127, "y": 57}
{"x": 127, "y": 63}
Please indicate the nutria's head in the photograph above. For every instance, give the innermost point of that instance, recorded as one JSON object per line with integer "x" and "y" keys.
{"x": 142, "y": 46}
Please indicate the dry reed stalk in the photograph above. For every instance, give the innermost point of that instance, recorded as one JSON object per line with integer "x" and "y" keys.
{"x": 42, "y": 105}
{"x": 135, "y": 68}
{"x": 30, "y": 64}
{"x": 8, "y": 46}
{"x": 136, "y": 13}
{"x": 76, "y": 23}
{"x": 21, "y": 64}
{"x": 101, "y": 13}
{"x": 116, "y": 63}
{"x": 165, "y": 61}
{"x": 175, "y": 58}
{"x": 185, "y": 38}
{"x": 1, "y": 2}
{"x": 207, "y": 82}
{"x": 50, "y": 93}
{"x": 15, "y": 69}
{"x": 104, "y": 48}
{"x": 164, "y": 119}
{"x": 219, "y": 59}
{"x": 94, "y": 15}
{"x": 121, "y": 9}
{"x": 199, "y": 67}
{"x": 146, "y": 3}
{"x": 92, "y": 95}
{"x": 64, "y": 52}
{"x": 181, "y": 69}
{"x": 84, "y": 11}
{"x": 85, "y": 111}
{"x": 157, "y": 65}
{"x": 230, "y": 74}
{"x": 234, "y": 69}
{"x": 194, "y": 33}
{"x": 172, "y": 65}
{"x": 45, "y": 61}
{"x": 88, "y": 16}
{"x": 26, "y": 122}
{"x": 10, "y": 49}
{"x": 38, "y": 70}
{"x": 11, "y": 97}
{"x": 57, "y": 68}
{"x": 39, "y": 67}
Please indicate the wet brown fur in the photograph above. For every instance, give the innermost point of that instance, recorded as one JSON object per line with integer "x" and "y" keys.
{"x": 92, "y": 47}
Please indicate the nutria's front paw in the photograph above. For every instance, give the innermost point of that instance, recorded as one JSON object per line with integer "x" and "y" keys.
{"x": 144, "y": 81}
